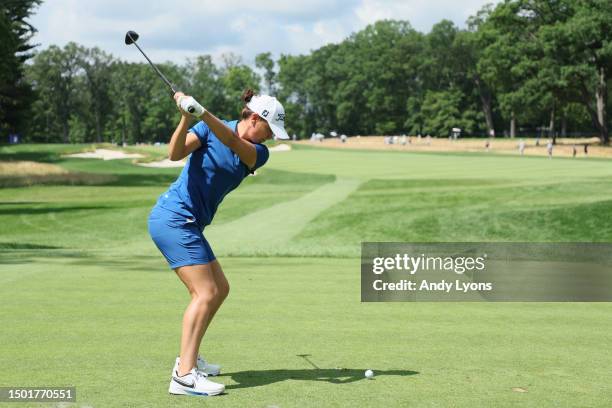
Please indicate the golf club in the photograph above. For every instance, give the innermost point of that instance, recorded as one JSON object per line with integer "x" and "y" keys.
{"x": 305, "y": 357}
{"x": 130, "y": 38}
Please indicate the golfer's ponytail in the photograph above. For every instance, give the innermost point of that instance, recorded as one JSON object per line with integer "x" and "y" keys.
{"x": 247, "y": 95}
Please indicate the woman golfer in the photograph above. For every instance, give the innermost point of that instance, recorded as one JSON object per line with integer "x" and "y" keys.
{"x": 222, "y": 155}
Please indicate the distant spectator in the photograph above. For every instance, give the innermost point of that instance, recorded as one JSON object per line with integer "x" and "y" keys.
{"x": 521, "y": 147}
{"x": 549, "y": 148}
{"x": 343, "y": 138}
{"x": 488, "y": 145}
{"x": 574, "y": 150}
{"x": 586, "y": 149}
{"x": 403, "y": 140}
{"x": 428, "y": 140}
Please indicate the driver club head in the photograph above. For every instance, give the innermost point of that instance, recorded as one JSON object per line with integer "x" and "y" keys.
{"x": 131, "y": 37}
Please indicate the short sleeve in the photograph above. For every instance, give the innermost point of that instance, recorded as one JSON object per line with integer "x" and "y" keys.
{"x": 201, "y": 130}
{"x": 262, "y": 156}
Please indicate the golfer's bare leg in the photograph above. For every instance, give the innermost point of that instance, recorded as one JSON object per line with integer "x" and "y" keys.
{"x": 200, "y": 282}
{"x": 189, "y": 328}
{"x": 222, "y": 288}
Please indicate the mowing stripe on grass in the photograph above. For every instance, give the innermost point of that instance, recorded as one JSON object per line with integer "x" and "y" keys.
{"x": 407, "y": 165}
{"x": 275, "y": 226}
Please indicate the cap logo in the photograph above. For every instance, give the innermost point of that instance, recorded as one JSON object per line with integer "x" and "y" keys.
{"x": 280, "y": 117}
{"x": 265, "y": 113}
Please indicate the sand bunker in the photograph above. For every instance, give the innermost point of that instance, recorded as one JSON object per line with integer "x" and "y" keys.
{"x": 280, "y": 148}
{"x": 106, "y": 154}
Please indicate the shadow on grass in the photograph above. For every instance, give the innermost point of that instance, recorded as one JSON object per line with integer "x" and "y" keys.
{"x": 142, "y": 180}
{"x": 151, "y": 263}
{"x": 247, "y": 379}
{"x": 44, "y": 156}
{"x": 89, "y": 179}
{"x": 23, "y": 245}
{"x": 32, "y": 253}
{"x": 65, "y": 179}
{"x": 48, "y": 210}
{"x": 19, "y": 202}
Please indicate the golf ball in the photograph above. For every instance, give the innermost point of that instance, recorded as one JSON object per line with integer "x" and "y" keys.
{"x": 369, "y": 374}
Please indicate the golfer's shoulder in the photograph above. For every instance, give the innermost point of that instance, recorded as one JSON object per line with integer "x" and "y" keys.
{"x": 262, "y": 154}
{"x": 200, "y": 128}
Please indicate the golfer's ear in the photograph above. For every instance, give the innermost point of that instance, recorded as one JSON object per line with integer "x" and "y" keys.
{"x": 254, "y": 118}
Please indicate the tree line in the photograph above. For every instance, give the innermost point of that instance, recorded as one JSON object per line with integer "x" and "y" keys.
{"x": 522, "y": 64}
{"x": 85, "y": 95}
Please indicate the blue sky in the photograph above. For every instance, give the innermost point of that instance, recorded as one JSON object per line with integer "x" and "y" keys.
{"x": 175, "y": 31}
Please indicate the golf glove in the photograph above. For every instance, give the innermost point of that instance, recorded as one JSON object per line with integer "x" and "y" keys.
{"x": 189, "y": 105}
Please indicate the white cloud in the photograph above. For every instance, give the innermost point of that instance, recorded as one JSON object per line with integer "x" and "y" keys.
{"x": 422, "y": 14}
{"x": 330, "y": 31}
{"x": 176, "y": 31}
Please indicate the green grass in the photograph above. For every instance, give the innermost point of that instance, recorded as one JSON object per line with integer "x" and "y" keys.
{"x": 88, "y": 301}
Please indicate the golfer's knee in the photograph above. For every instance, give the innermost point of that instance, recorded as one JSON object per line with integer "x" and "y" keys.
{"x": 223, "y": 291}
{"x": 206, "y": 297}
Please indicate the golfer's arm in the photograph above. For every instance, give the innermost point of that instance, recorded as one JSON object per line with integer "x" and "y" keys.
{"x": 177, "y": 147}
{"x": 243, "y": 148}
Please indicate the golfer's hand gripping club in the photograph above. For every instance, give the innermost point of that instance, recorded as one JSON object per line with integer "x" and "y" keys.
{"x": 189, "y": 105}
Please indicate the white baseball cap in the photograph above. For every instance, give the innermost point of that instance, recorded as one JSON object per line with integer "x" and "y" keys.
{"x": 269, "y": 108}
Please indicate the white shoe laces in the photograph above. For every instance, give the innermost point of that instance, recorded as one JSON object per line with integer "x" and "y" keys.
{"x": 201, "y": 374}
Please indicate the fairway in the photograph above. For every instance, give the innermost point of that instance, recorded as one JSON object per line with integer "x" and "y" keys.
{"x": 88, "y": 300}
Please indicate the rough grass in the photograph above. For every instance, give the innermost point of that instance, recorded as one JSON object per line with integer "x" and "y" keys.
{"x": 29, "y": 173}
{"x": 29, "y": 168}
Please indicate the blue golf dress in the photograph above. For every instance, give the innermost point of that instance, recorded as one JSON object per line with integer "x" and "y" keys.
{"x": 176, "y": 222}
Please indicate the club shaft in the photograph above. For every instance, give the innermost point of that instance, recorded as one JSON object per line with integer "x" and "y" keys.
{"x": 156, "y": 70}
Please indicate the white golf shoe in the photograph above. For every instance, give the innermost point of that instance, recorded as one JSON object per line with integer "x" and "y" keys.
{"x": 203, "y": 366}
{"x": 194, "y": 383}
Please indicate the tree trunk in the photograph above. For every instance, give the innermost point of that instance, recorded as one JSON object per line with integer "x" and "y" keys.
{"x": 602, "y": 99}
{"x": 123, "y": 128}
{"x": 98, "y": 127}
{"x": 65, "y": 131}
{"x": 551, "y": 125}
{"x": 587, "y": 101}
{"x": 485, "y": 98}
{"x": 512, "y": 126}
{"x": 47, "y": 128}
{"x": 564, "y": 126}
